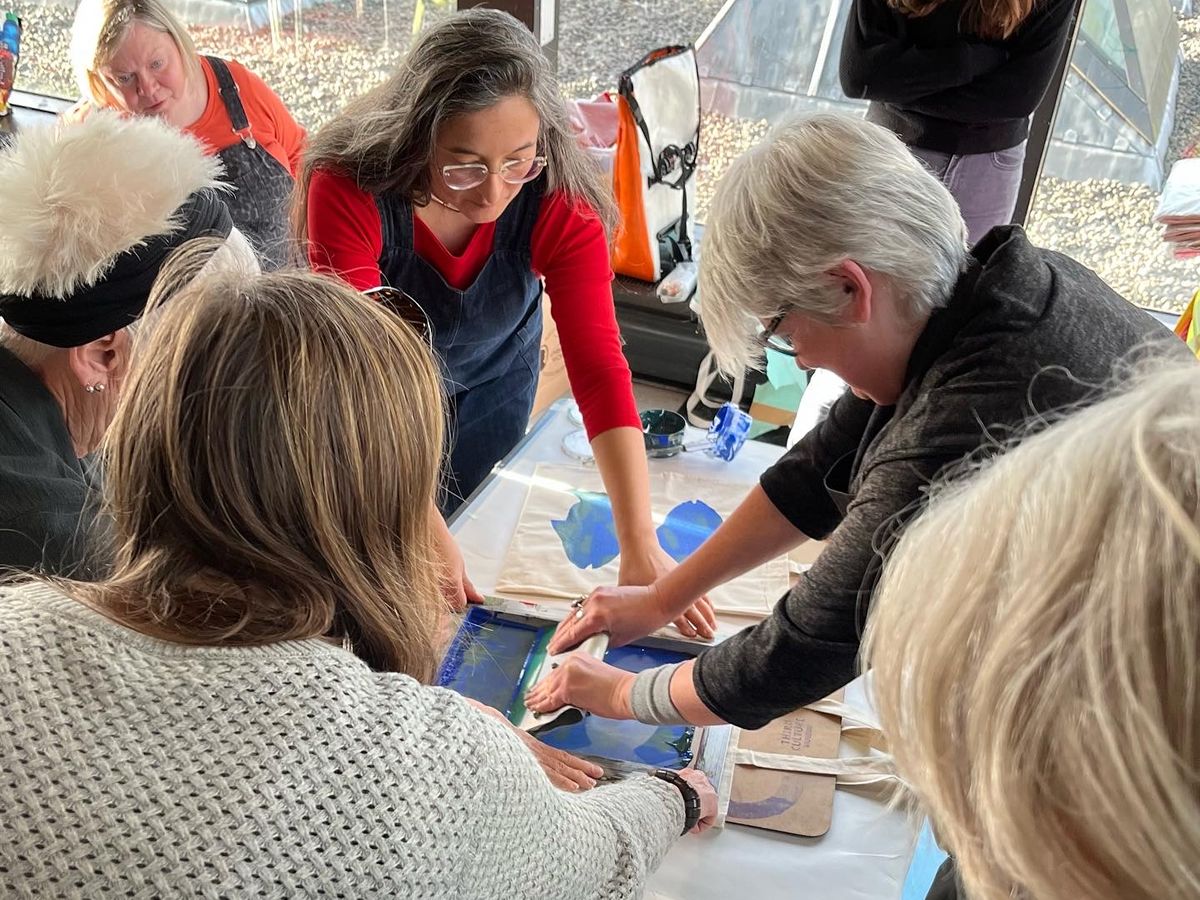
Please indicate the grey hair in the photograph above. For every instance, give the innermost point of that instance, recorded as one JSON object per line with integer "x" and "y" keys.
{"x": 468, "y": 62}
{"x": 234, "y": 254}
{"x": 819, "y": 191}
{"x": 1035, "y": 643}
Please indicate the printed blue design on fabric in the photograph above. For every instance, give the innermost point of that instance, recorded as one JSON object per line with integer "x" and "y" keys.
{"x": 589, "y": 534}
{"x": 687, "y": 526}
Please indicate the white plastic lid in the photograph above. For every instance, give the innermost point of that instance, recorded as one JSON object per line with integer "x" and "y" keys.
{"x": 577, "y": 446}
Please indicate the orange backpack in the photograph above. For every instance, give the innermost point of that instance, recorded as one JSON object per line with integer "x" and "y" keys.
{"x": 658, "y": 137}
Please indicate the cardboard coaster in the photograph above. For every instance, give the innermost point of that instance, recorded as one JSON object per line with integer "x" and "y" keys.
{"x": 791, "y": 802}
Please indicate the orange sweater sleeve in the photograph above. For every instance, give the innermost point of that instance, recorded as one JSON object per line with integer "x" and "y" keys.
{"x": 570, "y": 250}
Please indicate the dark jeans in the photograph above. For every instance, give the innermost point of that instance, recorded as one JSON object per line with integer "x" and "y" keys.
{"x": 486, "y": 421}
{"x": 984, "y": 184}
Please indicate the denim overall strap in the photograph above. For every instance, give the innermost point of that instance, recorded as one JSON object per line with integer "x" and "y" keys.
{"x": 262, "y": 187}
{"x": 487, "y": 336}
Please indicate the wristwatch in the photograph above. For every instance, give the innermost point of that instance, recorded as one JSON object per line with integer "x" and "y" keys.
{"x": 691, "y": 797}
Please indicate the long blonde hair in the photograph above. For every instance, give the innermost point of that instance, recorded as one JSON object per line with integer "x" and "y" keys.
{"x": 1036, "y": 651}
{"x": 271, "y": 471}
{"x": 468, "y": 62}
{"x": 101, "y": 26}
{"x": 995, "y": 20}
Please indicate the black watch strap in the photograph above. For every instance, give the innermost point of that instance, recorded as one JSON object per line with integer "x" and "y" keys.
{"x": 691, "y": 797}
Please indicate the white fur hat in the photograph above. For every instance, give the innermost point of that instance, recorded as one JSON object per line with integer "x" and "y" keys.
{"x": 76, "y": 195}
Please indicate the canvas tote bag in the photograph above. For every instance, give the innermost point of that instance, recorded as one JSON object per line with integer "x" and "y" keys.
{"x": 658, "y": 138}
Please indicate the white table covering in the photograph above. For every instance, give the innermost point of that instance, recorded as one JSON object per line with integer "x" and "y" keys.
{"x": 866, "y": 852}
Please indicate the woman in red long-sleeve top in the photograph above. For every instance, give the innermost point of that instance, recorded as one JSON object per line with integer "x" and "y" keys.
{"x": 459, "y": 182}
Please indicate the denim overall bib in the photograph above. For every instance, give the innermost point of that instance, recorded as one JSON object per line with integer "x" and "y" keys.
{"x": 262, "y": 187}
{"x": 487, "y": 337}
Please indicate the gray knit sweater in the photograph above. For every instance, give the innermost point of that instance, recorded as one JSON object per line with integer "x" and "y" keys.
{"x": 131, "y": 767}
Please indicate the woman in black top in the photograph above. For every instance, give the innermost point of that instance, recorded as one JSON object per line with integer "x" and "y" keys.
{"x": 92, "y": 211}
{"x": 957, "y": 80}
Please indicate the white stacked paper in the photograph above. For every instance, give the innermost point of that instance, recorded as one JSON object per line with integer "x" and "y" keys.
{"x": 1179, "y": 208}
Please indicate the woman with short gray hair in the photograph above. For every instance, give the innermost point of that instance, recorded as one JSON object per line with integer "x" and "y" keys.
{"x": 832, "y": 245}
{"x": 841, "y": 187}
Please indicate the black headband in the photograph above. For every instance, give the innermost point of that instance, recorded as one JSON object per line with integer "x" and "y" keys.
{"x": 120, "y": 296}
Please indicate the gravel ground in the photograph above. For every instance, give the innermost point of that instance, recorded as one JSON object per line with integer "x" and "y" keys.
{"x": 722, "y": 140}
{"x": 599, "y": 38}
{"x": 1109, "y": 225}
{"x": 343, "y": 51}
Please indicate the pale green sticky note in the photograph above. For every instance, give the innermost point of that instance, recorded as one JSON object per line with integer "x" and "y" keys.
{"x": 783, "y": 372}
{"x": 785, "y": 385}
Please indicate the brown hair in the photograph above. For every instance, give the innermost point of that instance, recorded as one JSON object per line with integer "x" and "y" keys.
{"x": 468, "y": 62}
{"x": 271, "y": 471}
{"x": 993, "y": 20}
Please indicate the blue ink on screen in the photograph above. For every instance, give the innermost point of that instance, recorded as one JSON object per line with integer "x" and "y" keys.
{"x": 487, "y": 658}
{"x": 662, "y": 746}
{"x": 588, "y": 533}
{"x": 687, "y": 526}
{"x": 490, "y": 655}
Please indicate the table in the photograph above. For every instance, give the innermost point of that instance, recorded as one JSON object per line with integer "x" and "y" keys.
{"x": 866, "y": 852}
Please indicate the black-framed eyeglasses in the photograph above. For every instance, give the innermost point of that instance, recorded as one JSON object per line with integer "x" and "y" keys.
{"x": 404, "y": 306}
{"x": 770, "y": 340}
{"x": 472, "y": 175}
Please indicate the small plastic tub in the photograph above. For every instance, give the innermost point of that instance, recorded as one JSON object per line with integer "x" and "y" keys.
{"x": 662, "y": 432}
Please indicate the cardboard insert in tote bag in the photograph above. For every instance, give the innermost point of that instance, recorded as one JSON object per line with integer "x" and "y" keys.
{"x": 658, "y": 137}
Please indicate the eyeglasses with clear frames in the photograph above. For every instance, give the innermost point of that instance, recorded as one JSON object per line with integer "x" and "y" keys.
{"x": 770, "y": 340}
{"x": 472, "y": 175}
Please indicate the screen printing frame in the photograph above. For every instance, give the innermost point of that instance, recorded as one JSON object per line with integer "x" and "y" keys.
{"x": 710, "y": 743}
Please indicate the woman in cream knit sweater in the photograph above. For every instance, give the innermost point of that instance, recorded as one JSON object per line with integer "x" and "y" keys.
{"x": 241, "y": 708}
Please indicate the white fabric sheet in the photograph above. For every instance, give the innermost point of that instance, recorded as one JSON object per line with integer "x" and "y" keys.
{"x": 566, "y": 523}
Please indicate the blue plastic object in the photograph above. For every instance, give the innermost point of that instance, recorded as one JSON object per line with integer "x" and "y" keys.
{"x": 728, "y": 432}
{"x": 10, "y": 34}
{"x": 663, "y": 430}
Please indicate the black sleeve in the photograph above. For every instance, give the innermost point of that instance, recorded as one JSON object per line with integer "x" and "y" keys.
{"x": 808, "y": 646}
{"x": 796, "y": 483}
{"x": 945, "y": 883}
{"x": 1014, "y": 90}
{"x": 50, "y": 542}
{"x": 880, "y": 62}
